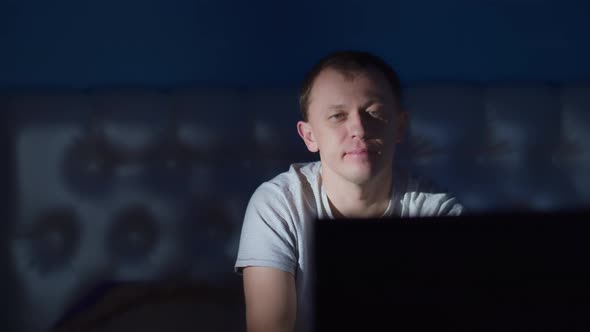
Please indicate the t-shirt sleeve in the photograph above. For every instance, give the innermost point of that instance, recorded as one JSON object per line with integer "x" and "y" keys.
{"x": 439, "y": 205}
{"x": 449, "y": 206}
{"x": 430, "y": 205}
{"x": 426, "y": 199}
{"x": 268, "y": 237}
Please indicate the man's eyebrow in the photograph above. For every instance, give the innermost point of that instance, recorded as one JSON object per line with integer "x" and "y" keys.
{"x": 337, "y": 107}
{"x": 373, "y": 100}
{"x": 376, "y": 99}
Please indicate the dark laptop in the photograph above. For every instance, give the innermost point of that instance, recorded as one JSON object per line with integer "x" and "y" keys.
{"x": 509, "y": 272}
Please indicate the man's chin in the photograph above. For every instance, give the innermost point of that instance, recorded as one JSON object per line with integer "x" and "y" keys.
{"x": 360, "y": 174}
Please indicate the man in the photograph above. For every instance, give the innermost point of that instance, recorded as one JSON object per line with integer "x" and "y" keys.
{"x": 352, "y": 115}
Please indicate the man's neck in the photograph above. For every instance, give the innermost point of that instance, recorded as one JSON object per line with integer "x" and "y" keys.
{"x": 351, "y": 200}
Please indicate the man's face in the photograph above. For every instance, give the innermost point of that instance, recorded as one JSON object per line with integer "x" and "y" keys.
{"x": 354, "y": 121}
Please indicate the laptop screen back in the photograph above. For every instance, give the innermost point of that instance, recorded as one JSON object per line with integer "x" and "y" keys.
{"x": 493, "y": 273}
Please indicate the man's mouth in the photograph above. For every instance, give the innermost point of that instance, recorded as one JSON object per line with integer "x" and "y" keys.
{"x": 358, "y": 152}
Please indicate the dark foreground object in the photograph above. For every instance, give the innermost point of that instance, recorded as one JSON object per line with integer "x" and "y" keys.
{"x": 505, "y": 272}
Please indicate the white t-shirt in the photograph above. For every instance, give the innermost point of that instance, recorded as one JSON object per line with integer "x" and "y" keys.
{"x": 277, "y": 226}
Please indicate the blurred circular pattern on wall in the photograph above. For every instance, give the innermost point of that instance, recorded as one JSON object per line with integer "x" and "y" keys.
{"x": 208, "y": 232}
{"x": 53, "y": 239}
{"x": 168, "y": 164}
{"x": 133, "y": 235}
{"x": 89, "y": 164}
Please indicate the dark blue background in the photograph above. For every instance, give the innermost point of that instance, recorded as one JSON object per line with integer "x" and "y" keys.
{"x": 271, "y": 43}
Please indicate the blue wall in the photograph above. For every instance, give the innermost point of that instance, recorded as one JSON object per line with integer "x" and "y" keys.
{"x": 263, "y": 43}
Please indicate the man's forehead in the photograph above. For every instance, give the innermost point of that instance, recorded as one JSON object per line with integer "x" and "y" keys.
{"x": 332, "y": 82}
{"x": 349, "y": 74}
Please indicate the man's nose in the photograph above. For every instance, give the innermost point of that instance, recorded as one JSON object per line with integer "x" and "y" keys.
{"x": 358, "y": 125}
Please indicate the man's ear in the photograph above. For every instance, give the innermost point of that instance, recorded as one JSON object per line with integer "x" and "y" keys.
{"x": 306, "y": 133}
{"x": 401, "y": 127}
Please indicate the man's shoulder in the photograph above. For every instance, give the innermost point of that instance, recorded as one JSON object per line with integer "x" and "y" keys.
{"x": 297, "y": 180}
{"x": 284, "y": 202}
{"x": 298, "y": 175}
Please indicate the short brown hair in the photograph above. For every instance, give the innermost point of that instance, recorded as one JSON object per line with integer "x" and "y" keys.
{"x": 347, "y": 62}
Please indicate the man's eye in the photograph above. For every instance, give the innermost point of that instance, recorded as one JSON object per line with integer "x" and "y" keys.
{"x": 380, "y": 115}
{"x": 337, "y": 116}
{"x": 376, "y": 113}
